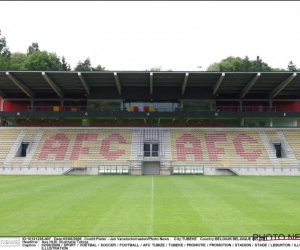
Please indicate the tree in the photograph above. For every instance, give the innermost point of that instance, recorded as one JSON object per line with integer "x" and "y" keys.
{"x": 227, "y": 64}
{"x": 214, "y": 67}
{"x": 65, "y": 65}
{"x": 42, "y": 60}
{"x": 17, "y": 61}
{"x": 278, "y": 70}
{"x": 4, "y": 65}
{"x": 155, "y": 69}
{"x": 87, "y": 66}
{"x": 32, "y": 48}
{"x": 291, "y": 67}
{"x": 246, "y": 64}
{"x": 231, "y": 64}
{"x": 84, "y": 66}
{"x": 237, "y": 64}
{"x": 260, "y": 66}
{"x": 98, "y": 68}
{"x": 4, "y": 50}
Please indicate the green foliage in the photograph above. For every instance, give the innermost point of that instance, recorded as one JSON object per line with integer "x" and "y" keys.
{"x": 84, "y": 66}
{"x": 4, "y": 49}
{"x": 4, "y": 65}
{"x": 43, "y": 60}
{"x": 214, "y": 67}
{"x": 35, "y": 59}
{"x": 32, "y": 48}
{"x": 87, "y": 66}
{"x": 246, "y": 64}
{"x": 237, "y": 64}
{"x": 98, "y": 68}
{"x": 278, "y": 70}
{"x": 2, "y": 42}
{"x": 65, "y": 65}
{"x": 291, "y": 67}
{"x": 155, "y": 69}
{"x": 17, "y": 61}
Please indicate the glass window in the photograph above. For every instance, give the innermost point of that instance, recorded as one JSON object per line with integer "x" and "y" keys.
{"x": 151, "y": 150}
{"x": 154, "y": 147}
{"x": 147, "y": 150}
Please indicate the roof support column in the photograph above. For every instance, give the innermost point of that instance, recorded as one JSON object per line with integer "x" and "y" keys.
{"x": 151, "y": 83}
{"x": 242, "y": 122}
{"x": 241, "y": 105}
{"x": 249, "y": 86}
{"x": 271, "y": 105}
{"x": 84, "y": 83}
{"x": 218, "y": 83}
{"x": 277, "y": 90}
{"x": 53, "y": 85}
{"x": 117, "y": 82}
{"x": 26, "y": 90}
{"x": 184, "y": 82}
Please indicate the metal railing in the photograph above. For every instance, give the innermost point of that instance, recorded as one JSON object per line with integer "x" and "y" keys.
{"x": 51, "y": 108}
{"x": 113, "y": 170}
{"x": 257, "y": 108}
{"x": 151, "y": 153}
{"x": 188, "y": 170}
{"x": 245, "y": 108}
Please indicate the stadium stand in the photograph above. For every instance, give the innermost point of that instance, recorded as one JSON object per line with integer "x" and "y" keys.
{"x": 292, "y": 136}
{"x": 48, "y": 124}
{"x": 139, "y": 123}
{"x": 8, "y": 138}
{"x": 204, "y": 147}
{"x": 87, "y": 147}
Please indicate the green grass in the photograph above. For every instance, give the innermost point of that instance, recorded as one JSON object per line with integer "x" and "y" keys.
{"x": 148, "y": 205}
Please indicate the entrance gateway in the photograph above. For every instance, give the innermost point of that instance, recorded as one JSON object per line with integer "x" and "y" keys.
{"x": 151, "y": 164}
{"x": 151, "y": 168}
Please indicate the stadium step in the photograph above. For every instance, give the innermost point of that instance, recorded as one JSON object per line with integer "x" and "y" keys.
{"x": 167, "y": 145}
{"x": 270, "y": 149}
{"x": 67, "y": 171}
{"x": 234, "y": 171}
{"x": 32, "y": 148}
{"x": 15, "y": 148}
{"x": 137, "y": 144}
{"x": 288, "y": 150}
{"x": 139, "y": 136}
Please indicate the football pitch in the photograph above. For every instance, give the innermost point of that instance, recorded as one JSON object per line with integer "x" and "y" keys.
{"x": 148, "y": 205}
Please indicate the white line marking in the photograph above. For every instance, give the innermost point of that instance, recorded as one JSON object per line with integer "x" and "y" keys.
{"x": 151, "y": 208}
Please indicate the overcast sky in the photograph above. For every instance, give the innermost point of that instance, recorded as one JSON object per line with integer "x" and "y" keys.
{"x": 177, "y": 35}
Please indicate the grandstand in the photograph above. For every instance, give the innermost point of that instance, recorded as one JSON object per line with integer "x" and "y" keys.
{"x": 149, "y": 123}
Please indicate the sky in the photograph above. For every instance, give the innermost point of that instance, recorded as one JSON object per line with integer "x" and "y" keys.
{"x": 139, "y": 35}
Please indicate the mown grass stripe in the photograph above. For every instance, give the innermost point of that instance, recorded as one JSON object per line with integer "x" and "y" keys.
{"x": 148, "y": 205}
{"x": 152, "y": 207}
